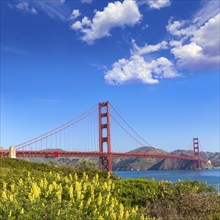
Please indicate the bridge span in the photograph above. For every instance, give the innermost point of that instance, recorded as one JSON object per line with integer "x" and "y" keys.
{"x": 105, "y": 152}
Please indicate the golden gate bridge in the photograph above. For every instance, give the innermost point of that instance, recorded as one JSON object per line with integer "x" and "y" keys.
{"x": 82, "y": 136}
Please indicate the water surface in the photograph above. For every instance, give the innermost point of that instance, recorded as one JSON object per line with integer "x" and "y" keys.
{"x": 212, "y": 176}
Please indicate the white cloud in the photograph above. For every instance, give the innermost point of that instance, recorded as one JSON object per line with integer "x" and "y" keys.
{"x": 75, "y": 14}
{"x": 196, "y": 43}
{"x": 117, "y": 14}
{"x": 157, "y": 4}
{"x": 163, "y": 68}
{"x": 78, "y": 25}
{"x": 202, "y": 48}
{"x": 180, "y": 28}
{"x": 188, "y": 54}
{"x": 191, "y": 56}
{"x": 137, "y": 69}
{"x": 188, "y": 51}
{"x": 209, "y": 9}
{"x": 149, "y": 48}
{"x": 24, "y": 6}
{"x": 133, "y": 69}
{"x": 147, "y": 70}
{"x": 175, "y": 43}
{"x": 208, "y": 36}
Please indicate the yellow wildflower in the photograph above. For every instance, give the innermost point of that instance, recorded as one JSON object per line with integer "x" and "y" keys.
{"x": 99, "y": 199}
{"x": 71, "y": 191}
{"x": 121, "y": 211}
{"x": 105, "y": 186}
{"x": 81, "y": 205}
{"x": 54, "y": 184}
{"x": 126, "y": 215}
{"x": 20, "y": 182}
{"x": 22, "y": 211}
{"x": 4, "y": 186}
{"x": 92, "y": 193}
{"x": 41, "y": 183}
{"x": 58, "y": 176}
{"x": 4, "y": 196}
{"x": 59, "y": 194}
{"x": 11, "y": 198}
{"x": 50, "y": 188}
{"x": 142, "y": 217}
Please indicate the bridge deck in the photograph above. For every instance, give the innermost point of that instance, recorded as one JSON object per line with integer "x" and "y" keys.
{"x": 29, "y": 153}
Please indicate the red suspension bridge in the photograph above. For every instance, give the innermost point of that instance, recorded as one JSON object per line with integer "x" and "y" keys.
{"x": 84, "y": 137}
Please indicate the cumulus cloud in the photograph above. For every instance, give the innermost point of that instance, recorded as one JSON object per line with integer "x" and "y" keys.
{"x": 137, "y": 69}
{"x": 24, "y": 6}
{"x": 188, "y": 54}
{"x": 175, "y": 43}
{"x": 208, "y": 10}
{"x": 158, "y": 4}
{"x": 180, "y": 28}
{"x": 149, "y": 48}
{"x": 201, "y": 47}
{"x": 75, "y": 14}
{"x": 208, "y": 36}
{"x": 117, "y": 14}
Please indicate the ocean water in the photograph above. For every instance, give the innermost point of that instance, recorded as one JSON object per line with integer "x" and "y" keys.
{"x": 211, "y": 177}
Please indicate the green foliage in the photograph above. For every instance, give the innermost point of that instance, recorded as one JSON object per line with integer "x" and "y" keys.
{"x": 38, "y": 191}
{"x": 88, "y": 166}
{"x": 166, "y": 200}
{"x": 27, "y": 193}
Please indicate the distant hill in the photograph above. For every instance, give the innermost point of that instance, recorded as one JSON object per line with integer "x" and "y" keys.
{"x": 126, "y": 164}
{"x": 173, "y": 164}
{"x": 178, "y": 164}
{"x": 122, "y": 164}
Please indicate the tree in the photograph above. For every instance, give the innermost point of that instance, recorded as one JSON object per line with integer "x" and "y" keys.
{"x": 86, "y": 165}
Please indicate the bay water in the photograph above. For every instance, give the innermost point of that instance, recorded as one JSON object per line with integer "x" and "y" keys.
{"x": 211, "y": 177}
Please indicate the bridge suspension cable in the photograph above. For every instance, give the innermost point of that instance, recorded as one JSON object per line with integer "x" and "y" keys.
{"x": 86, "y": 135}
{"x": 57, "y": 129}
{"x": 132, "y": 136}
{"x": 129, "y": 126}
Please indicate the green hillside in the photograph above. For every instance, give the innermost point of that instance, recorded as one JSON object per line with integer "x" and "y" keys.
{"x": 122, "y": 164}
{"x": 39, "y": 191}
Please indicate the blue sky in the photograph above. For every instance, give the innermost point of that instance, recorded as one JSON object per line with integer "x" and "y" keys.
{"x": 157, "y": 62}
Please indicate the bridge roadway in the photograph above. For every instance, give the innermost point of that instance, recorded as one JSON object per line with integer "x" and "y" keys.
{"x": 48, "y": 153}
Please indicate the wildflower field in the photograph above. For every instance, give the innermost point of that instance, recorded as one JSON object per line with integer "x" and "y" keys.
{"x": 38, "y": 191}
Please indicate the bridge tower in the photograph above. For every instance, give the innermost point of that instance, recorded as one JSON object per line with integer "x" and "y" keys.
{"x": 105, "y": 162}
{"x": 196, "y": 154}
{"x": 12, "y": 152}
